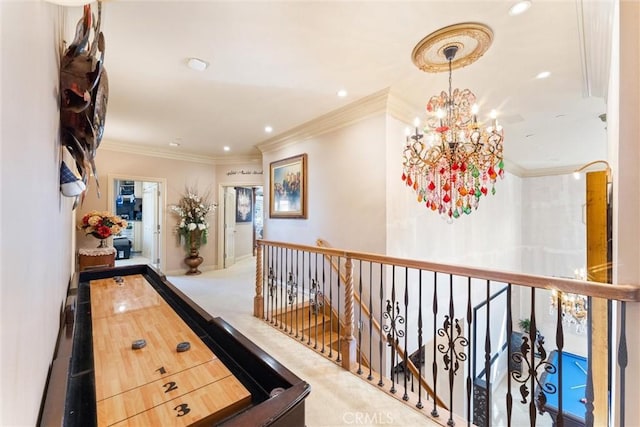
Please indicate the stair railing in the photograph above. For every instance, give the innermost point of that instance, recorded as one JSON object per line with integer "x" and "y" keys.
{"x": 400, "y": 351}
{"x": 443, "y": 304}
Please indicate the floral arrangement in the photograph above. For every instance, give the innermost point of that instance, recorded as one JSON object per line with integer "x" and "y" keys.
{"x": 102, "y": 224}
{"x": 192, "y": 211}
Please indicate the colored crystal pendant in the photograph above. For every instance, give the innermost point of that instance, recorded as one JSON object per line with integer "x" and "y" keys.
{"x": 456, "y": 214}
{"x": 404, "y": 177}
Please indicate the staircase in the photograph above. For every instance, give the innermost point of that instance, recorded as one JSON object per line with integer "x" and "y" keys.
{"x": 319, "y": 328}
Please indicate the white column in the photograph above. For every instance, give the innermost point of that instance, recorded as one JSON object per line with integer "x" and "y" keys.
{"x": 624, "y": 103}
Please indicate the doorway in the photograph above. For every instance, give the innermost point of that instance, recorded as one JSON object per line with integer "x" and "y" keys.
{"x": 240, "y": 222}
{"x": 139, "y": 200}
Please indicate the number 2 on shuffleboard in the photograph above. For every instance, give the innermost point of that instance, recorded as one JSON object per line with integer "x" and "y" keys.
{"x": 170, "y": 386}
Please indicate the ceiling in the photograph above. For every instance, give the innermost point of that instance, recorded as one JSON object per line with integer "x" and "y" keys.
{"x": 281, "y": 63}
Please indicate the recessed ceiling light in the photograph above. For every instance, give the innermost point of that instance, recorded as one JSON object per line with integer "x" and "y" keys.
{"x": 342, "y": 93}
{"x": 520, "y": 7}
{"x": 197, "y": 64}
{"x": 226, "y": 148}
{"x": 268, "y": 129}
{"x": 174, "y": 144}
{"x": 543, "y": 75}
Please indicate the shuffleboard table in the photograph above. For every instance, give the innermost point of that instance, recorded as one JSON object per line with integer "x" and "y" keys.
{"x": 135, "y": 351}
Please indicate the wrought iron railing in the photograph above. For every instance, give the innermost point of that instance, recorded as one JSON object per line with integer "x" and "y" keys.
{"x": 460, "y": 320}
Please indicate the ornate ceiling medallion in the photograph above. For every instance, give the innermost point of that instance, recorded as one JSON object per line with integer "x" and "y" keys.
{"x": 472, "y": 40}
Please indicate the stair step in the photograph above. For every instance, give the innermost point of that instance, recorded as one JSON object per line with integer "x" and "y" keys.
{"x": 302, "y": 321}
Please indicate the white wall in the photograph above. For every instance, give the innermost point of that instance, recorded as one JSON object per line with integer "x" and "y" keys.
{"x": 345, "y": 189}
{"x": 554, "y": 234}
{"x": 36, "y": 234}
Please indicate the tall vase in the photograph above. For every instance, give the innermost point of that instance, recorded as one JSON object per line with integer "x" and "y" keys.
{"x": 194, "y": 259}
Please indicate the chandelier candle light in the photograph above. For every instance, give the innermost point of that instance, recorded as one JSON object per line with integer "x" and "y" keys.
{"x": 459, "y": 160}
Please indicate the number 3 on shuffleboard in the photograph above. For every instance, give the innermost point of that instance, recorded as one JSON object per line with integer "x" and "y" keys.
{"x": 182, "y": 409}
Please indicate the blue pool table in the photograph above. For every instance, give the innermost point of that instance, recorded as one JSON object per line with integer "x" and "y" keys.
{"x": 574, "y": 380}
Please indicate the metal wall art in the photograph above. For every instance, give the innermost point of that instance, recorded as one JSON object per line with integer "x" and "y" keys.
{"x": 84, "y": 90}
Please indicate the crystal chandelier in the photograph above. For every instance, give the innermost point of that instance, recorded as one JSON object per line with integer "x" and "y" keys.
{"x": 574, "y": 307}
{"x": 457, "y": 160}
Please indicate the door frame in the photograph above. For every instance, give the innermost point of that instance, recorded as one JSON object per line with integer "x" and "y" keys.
{"x": 221, "y": 201}
{"x": 162, "y": 241}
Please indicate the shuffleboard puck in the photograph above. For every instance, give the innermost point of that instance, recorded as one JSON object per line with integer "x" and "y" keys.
{"x": 138, "y": 344}
{"x": 183, "y": 346}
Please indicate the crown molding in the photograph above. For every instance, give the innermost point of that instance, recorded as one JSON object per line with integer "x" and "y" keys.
{"x": 560, "y": 170}
{"x": 146, "y": 150}
{"x": 356, "y": 111}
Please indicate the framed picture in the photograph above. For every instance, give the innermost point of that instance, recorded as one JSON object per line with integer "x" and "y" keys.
{"x": 288, "y": 188}
{"x": 244, "y": 204}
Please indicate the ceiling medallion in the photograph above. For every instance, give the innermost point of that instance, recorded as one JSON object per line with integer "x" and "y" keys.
{"x": 453, "y": 160}
{"x": 472, "y": 40}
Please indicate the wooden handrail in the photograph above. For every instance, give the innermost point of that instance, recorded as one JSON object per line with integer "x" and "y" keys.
{"x": 619, "y": 292}
{"x": 410, "y": 365}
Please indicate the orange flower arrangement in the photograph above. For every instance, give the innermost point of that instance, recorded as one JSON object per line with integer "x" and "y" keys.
{"x": 102, "y": 224}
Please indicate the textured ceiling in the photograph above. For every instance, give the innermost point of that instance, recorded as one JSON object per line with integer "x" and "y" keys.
{"x": 281, "y": 64}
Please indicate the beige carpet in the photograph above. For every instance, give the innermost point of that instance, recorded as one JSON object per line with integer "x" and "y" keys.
{"x": 338, "y": 397}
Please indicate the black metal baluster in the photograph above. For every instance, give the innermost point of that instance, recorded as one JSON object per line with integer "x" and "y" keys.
{"x": 622, "y": 359}
{"x": 324, "y": 264}
{"x": 487, "y": 355}
{"x": 271, "y": 277}
{"x": 319, "y": 302}
{"x": 380, "y": 344}
{"x": 291, "y": 294}
{"x": 533, "y": 343}
{"x": 405, "y": 397}
{"x": 560, "y": 345}
{"x": 509, "y": 355}
{"x": 298, "y": 278}
{"x": 276, "y": 274}
{"x": 532, "y": 338}
{"x": 339, "y": 316}
{"x": 281, "y": 285}
{"x": 434, "y": 366}
{"x": 390, "y": 329}
{"x": 469, "y": 382}
{"x": 312, "y": 288}
{"x": 308, "y": 254}
{"x": 420, "y": 352}
{"x": 330, "y": 307}
{"x": 450, "y": 422}
{"x": 288, "y": 282}
{"x": 370, "y": 377}
{"x": 360, "y": 318}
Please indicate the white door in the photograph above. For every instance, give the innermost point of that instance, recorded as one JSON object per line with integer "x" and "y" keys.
{"x": 229, "y": 226}
{"x": 150, "y": 221}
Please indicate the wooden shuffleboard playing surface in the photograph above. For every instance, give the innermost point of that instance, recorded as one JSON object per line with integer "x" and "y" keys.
{"x": 156, "y": 384}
